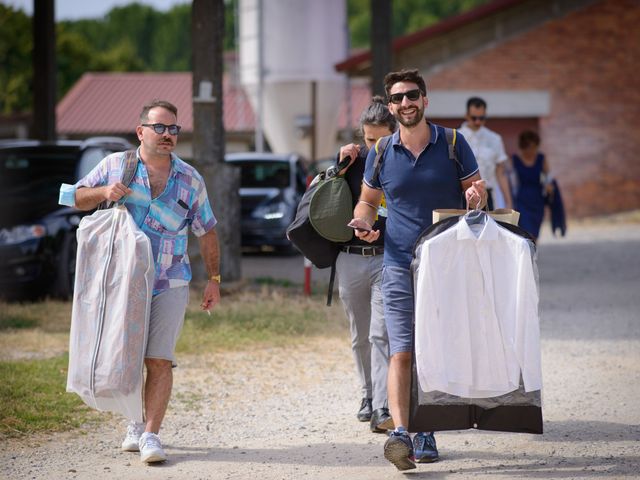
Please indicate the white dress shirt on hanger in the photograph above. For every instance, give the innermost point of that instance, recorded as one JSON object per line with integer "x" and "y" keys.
{"x": 477, "y": 324}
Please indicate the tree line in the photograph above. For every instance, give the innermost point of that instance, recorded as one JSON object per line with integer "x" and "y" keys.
{"x": 138, "y": 38}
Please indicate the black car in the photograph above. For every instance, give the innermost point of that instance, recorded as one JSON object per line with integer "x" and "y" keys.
{"x": 37, "y": 235}
{"x": 271, "y": 186}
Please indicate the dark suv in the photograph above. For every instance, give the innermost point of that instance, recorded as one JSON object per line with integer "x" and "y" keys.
{"x": 37, "y": 236}
{"x": 271, "y": 186}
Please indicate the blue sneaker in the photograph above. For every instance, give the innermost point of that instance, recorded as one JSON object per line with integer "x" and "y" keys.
{"x": 398, "y": 449}
{"x": 424, "y": 447}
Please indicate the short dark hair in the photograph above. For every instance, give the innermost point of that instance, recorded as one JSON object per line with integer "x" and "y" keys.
{"x": 476, "y": 102}
{"x": 527, "y": 138}
{"x": 405, "y": 75}
{"x": 378, "y": 114}
{"x": 144, "y": 114}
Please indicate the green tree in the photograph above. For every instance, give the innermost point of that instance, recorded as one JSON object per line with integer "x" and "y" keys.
{"x": 137, "y": 37}
{"x": 16, "y": 71}
{"x": 172, "y": 41}
{"x": 408, "y": 16}
{"x": 137, "y": 23}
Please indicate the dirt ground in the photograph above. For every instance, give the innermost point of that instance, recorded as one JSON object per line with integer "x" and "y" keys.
{"x": 289, "y": 413}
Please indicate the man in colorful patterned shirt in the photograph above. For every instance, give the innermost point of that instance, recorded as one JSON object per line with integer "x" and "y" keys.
{"x": 165, "y": 198}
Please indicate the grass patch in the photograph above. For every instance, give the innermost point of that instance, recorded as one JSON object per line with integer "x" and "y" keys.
{"x": 32, "y": 392}
{"x": 33, "y": 398}
{"x": 50, "y": 315}
{"x": 268, "y": 316}
{"x": 269, "y": 281}
{"x": 17, "y": 322}
{"x": 34, "y": 329}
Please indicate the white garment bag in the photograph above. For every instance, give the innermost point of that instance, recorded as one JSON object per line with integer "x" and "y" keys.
{"x": 111, "y": 308}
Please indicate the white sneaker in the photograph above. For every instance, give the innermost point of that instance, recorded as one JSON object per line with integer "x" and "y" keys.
{"x": 131, "y": 440}
{"x": 151, "y": 449}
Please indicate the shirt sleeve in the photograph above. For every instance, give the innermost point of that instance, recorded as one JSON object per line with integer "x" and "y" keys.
{"x": 368, "y": 170}
{"x": 108, "y": 171}
{"x": 97, "y": 177}
{"x": 202, "y": 218}
{"x": 466, "y": 158}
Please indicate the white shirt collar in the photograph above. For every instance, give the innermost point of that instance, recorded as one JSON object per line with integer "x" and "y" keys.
{"x": 489, "y": 231}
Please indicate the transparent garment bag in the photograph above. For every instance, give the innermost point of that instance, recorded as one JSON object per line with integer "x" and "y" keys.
{"x": 111, "y": 308}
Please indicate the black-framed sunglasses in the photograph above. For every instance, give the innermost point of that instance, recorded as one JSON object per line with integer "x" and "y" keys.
{"x": 478, "y": 118}
{"x": 413, "y": 95}
{"x": 160, "y": 128}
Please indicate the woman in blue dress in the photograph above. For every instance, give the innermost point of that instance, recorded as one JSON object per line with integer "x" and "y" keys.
{"x": 532, "y": 182}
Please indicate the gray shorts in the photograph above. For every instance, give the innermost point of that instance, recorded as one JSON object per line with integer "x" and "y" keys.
{"x": 165, "y": 324}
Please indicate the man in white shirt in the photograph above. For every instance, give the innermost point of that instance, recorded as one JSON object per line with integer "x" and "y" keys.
{"x": 488, "y": 148}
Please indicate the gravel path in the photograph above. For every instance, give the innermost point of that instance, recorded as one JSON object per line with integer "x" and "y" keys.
{"x": 289, "y": 413}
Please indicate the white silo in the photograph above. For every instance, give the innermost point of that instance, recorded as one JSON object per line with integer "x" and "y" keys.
{"x": 298, "y": 45}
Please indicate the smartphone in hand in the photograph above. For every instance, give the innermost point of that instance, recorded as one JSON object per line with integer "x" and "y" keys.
{"x": 359, "y": 224}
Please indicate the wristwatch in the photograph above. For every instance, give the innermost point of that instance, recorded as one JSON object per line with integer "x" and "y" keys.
{"x": 215, "y": 278}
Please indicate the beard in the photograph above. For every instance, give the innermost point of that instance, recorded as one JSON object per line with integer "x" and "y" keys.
{"x": 411, "y": 121}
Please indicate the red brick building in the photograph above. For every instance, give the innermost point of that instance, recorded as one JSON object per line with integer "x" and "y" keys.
{"x": 564, "y": 68}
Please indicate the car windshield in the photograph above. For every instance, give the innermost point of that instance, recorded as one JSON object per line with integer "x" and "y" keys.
{"x": 260, "y": 174}
{"x": 30, "y": 182}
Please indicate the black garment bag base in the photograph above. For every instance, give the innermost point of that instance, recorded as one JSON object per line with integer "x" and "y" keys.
{"x": 523, "y": 416}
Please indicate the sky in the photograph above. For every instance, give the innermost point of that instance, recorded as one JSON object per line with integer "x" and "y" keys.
{"x": 76, "y": 9}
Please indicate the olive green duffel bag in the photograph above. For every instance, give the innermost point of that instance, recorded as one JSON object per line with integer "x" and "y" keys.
{"x": 331, "y": 207}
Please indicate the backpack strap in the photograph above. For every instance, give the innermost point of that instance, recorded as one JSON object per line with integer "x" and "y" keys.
{"x": 452, "y": 134}
{"x": 380, "y": 147}
{"x": 332, "y": 278}
{"x": 130, "y": 167}
{"x": 128, "y": 172}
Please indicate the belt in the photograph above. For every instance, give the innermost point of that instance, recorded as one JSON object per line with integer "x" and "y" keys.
{"x": 364, "y": 251}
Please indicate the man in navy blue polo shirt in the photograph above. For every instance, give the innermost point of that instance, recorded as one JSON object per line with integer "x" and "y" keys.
{"x": 416, "y": 176}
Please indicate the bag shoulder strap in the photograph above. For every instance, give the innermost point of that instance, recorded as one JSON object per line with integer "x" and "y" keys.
{"x": 332, "y": 278}
{"x": 451, "y": 135}
{"x": 380, "y": 147}
{"x": 128, "y": 172}
{"x": 130, "y": 167}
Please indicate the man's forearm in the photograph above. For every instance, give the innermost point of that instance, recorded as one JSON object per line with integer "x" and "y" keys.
{"x": 365, "y": 210}
{"x": 89, "y": 198}
{"x": 503, "y": 182}
{"x": 210, "y": 252}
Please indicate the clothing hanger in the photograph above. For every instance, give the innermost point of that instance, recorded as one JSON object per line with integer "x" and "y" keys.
{"x": 475, "y": 216}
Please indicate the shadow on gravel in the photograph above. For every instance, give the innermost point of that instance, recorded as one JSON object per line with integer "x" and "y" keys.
{"x": 467, "y": 462}
{"x": 545, "y": 467}
{"x": 319, "y": 454}
{"x": 589, "y": 431}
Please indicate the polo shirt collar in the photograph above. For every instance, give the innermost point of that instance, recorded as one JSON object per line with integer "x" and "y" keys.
{"x": 395, "y": 138}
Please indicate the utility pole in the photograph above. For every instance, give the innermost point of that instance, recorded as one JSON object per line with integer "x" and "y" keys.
{"x": 222, "y": 180}
{"x": 44, "y": 70}
{"x": 381, "y": 46}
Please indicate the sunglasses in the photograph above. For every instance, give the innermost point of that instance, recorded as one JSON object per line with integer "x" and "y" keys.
{"x": 478, "y": 118}
{"x": 160, "y": 128}
{"x": 412, "y": 95}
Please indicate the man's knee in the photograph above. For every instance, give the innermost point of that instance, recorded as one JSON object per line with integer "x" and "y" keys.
{"x": 401, "y": 359}
{"x": 157, "y": 364}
